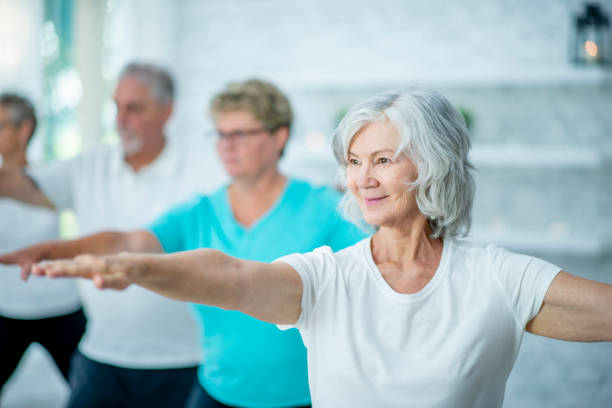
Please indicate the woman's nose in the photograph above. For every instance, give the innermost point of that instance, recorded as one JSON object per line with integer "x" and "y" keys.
{"x": 366, "y": 177}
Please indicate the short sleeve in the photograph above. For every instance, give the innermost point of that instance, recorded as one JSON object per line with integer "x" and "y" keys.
{"x": 316, "y": 269}
{"x": 54, "y": 179}
{"x": 525, "y": 280}
{"x": 171, "y": 228}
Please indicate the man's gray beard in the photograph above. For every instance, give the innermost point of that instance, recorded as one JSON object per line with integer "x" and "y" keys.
{"x": 130, "y": 143}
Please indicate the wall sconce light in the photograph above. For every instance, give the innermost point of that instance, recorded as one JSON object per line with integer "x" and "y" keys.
{"x": 592, "y": 36}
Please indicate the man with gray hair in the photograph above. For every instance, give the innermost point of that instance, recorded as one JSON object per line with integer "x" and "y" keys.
{"x": 139, "y": 349}
{"x": 48, "y": 313}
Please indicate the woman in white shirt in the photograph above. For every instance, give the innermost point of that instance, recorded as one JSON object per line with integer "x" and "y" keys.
{"x": 411, "y": 316}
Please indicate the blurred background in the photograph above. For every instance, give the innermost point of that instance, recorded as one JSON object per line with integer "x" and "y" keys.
{"x": 532, "y": 77}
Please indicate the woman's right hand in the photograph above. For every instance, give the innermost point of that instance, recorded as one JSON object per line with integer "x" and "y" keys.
{"x": 106, "y": 272}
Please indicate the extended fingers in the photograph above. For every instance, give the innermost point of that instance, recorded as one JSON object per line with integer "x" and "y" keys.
{"x": 9, "y": 258}
{"x": 64, "y": 268}
{"x": 100, "y": 270}
{"x": 113, "y": 280}
{"x": 26, "y": 269}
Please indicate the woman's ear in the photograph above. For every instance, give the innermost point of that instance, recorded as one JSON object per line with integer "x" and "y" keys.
{"x": 282, "y": 136}
{"x": 25, "y": 131}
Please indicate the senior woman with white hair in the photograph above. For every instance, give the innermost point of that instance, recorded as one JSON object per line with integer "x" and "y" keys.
{"x": 411, "y": 316}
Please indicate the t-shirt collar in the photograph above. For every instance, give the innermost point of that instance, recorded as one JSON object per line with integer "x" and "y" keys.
{"x": 164, "y": 165}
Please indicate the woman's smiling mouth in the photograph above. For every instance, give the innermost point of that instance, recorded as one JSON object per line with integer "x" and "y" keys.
{"x": 373, "y": 200}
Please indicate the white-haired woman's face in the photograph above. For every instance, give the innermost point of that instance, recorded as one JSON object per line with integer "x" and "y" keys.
{"x": 377, "y": 180}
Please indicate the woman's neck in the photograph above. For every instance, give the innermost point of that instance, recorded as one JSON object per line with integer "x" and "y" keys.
{"x": 250, "y": 199}
{"x": 13, "y": 162}
{"x": 407, "y": 242}
{"x": 407, "y": 257}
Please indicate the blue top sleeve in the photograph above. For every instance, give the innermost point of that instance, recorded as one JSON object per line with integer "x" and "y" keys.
{"x": 173, "y": 229}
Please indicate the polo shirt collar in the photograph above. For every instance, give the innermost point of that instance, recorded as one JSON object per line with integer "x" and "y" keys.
{"x": 165, "y": 164}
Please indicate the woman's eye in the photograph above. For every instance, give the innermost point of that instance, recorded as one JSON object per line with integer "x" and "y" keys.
{"x": 384, "y": 160}
{"x": 353, "y": 162}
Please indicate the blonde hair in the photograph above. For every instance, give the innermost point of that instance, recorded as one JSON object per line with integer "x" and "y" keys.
{"x": 264, "y": 100}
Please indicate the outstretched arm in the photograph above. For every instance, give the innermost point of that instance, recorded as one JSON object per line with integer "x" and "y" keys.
{"x": 575, "y": 309}
{"x": 269, "y": 292}
{"x": 17, "y": 185}
{"x": 108, "y": 242}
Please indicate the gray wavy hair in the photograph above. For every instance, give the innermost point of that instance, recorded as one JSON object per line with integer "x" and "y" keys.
{"x": 20, "y": 110}
{"x": 157, "y": 78}
{"x": 434, "y": 135}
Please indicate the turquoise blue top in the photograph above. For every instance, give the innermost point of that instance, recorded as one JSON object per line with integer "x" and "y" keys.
{"x": 248, "y": 362}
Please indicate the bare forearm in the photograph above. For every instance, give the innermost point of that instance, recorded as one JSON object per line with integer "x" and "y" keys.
{"x": 202, "y": 276}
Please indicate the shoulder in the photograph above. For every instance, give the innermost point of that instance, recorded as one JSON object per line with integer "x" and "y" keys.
{"x": 218, "y": 196}
{"x": 322, "y": 263}
{"x": 98, "y": 154}
{"x": 193, "y": 207}
{"x": 316, "y": 200}
{"x": 493, "y": 260}
{"x": 463, "y": 249}
{"x": 197, "y": 202}
{"x": 99, "y": 159}
{"x": 311, "y": 191}
{"x": 353, "y": 255}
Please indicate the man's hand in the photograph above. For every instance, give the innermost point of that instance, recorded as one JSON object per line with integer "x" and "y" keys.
{"x": 106, "y": 272}
{"x": 25, "y": 258}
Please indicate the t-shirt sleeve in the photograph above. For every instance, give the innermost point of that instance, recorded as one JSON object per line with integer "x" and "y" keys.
{"x": 54, "y": 179}
{"x": 316, "y": 269}
{"x": 170, "y": 227}
{"x": 525, "y": 280}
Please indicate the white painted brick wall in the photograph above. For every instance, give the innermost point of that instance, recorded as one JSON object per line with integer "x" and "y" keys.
{"x": 505, "y": 61}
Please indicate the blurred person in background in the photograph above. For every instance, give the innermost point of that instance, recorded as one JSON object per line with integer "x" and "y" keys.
{"x": 261, "y": 215}
{"x": 139, "y": 349}
{"x": 412, "y": 316}
{"x": 48, "y": 313}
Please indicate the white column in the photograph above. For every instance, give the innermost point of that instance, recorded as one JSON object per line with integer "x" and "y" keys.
{"x": 88, "y": 27}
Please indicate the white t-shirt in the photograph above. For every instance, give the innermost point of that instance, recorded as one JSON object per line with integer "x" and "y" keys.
{"x": 452, "y": 344}
{"x": 135, "y": 328}
{"x": 38, "y": 298}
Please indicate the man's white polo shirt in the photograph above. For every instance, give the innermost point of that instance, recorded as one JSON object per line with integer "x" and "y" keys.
{"x": 135, "y": 328}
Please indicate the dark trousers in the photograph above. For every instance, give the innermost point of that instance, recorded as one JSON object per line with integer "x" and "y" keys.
{"x": 199, "y": 398}
{"x": 59, "y": 335}
{"x": 98, "y": 385}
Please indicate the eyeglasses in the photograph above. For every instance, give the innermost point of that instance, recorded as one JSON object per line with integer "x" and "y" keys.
{"x": 236, "y": 134}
